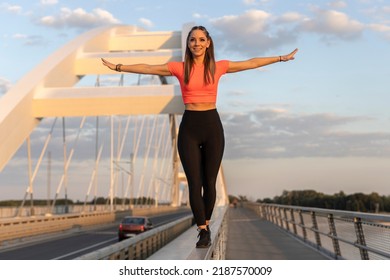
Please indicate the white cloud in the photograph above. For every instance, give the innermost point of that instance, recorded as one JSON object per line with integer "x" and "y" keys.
{"x": 338, "y": 4}
{"x": 291, "y": 17}
{"x": 19, "y": 36}
{"x": 277, "y": 133}
{"x": 30, "y": 40}
{"x": 49, "y": 2}
{"x": 333, "y": 24}
{"x": 15, "y": 9}
{"x": 251, "y": 22}
{"x": 382, "y": 29}
{"x": 236, "y": 93}
{"x": 257, "y": 31}
{"x": 249, "y": 2}
{"x": 4, "y": 85}
{"x": 378, "y": 14}
{"x": 255, "y": 2}
{"x": 197, "y": 16}
{"x": 79, "y": 18}
{"x": 254, "y": 31}
{"x": 146, "y": 22}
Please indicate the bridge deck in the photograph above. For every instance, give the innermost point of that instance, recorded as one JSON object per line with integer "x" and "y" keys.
{"x": 251, "y": 238}
{"x": 248, "y": 238}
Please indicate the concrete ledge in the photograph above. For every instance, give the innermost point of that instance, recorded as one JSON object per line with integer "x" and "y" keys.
{"x": 143, "y": 245}
{"x": 183, "y": 247}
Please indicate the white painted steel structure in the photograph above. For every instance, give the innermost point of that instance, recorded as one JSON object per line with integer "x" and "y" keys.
{"x": 49, "y": 89}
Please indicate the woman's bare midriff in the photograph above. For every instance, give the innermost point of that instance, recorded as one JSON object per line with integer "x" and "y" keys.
{"x": 200, "y": 106}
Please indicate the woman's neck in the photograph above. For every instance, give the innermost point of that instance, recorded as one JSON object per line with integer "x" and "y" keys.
{"x": 198, "y": 60}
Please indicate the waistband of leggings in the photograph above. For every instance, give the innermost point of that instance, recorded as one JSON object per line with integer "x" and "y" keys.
{"x": 210, "y": 111}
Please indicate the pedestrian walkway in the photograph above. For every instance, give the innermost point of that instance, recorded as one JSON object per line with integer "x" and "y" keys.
{"x": 248, "y": 238}
{"x": 251, "y": 238}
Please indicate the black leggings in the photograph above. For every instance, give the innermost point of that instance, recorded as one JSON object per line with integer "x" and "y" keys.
{"x": 200, "y": 144}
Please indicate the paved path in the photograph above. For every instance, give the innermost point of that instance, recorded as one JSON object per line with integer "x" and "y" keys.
{"x": 251, "y": 238}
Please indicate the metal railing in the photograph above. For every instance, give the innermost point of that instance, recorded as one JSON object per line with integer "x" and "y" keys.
{"x": 218, "y": 247}
{"x": 217, "y": 250}
{"x": 340, "y": 234}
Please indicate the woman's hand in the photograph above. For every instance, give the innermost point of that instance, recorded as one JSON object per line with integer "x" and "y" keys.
{"x": 289, "y": 56}
{"x": 108, "y": 64}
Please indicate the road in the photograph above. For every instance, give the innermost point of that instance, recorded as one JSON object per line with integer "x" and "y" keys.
{"x": 75, "y": 243}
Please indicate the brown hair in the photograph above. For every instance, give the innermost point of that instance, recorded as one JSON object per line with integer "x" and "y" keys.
{"x": 209, "y": 60}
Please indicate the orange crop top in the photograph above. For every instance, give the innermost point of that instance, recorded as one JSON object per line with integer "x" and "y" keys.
{"x": 196, "y": 91}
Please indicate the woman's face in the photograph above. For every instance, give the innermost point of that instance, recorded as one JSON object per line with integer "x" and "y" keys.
{"x": 198, "y": 43}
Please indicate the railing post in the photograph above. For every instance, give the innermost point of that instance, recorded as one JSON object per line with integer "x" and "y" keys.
{"x": 268, "y": 213}
{"x": 280, "y": 218}
{"x": 293, "y": 221}
{"x": 333, "y": 233}
{"x": 273, "y": 215}
{"x": 315, "y": 227}
{"x": 258, "y": 210}
{"x": 360, "y": 238}
{"x": 262, "y": 211}
{"x": 286, "y": 219}
{"x": 303, "y": 225}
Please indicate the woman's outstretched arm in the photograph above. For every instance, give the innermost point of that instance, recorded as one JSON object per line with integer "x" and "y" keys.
{"x": 161, "y": 70}
{"x": 236, "y": 66}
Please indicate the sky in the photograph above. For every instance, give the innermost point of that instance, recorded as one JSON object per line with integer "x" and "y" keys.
{"x": 319, "y": 122}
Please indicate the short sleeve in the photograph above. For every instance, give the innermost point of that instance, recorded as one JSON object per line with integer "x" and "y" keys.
{"x": 223, "y": 66}
{"x": 176, "y": 68}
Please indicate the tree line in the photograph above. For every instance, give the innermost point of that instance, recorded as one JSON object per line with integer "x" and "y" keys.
{"x": 97, "y": 201}
{"x": 361, "y": 202}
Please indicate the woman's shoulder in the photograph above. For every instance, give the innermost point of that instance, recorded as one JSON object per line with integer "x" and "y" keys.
{"x": 175, "y": 67}
{"x": 222, "y": 64}
{"x": 175, "y": 63}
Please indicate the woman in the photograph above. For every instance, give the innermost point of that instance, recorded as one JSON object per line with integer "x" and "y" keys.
{"x": 201, "y": 139}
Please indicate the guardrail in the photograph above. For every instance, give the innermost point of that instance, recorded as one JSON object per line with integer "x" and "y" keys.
{"x": 340, "y": 234}
{"x": 141, "y": 246}
{"x": 27, "y": 211}
{"x": 12, "y": 229}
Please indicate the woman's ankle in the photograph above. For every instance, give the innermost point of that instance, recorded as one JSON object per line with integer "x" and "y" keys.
{"x": 202, "y": 227}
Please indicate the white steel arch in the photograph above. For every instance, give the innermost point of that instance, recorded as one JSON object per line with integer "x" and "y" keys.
{"x": 48, "y": 89}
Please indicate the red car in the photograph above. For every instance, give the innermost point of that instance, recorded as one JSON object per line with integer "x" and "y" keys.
{"x": 131, "y": 226}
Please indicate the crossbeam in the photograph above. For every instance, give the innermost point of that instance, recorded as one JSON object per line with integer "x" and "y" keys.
{"x": 90, "y": 63}
{"x": 130, "y": 41}
{"x": 94, "y": 101}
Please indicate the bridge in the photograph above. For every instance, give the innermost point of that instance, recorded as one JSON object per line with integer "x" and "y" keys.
{"x": 103, "y": 135}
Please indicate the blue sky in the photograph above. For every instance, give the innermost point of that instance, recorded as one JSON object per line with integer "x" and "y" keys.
{"x": 320, "y": 122}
